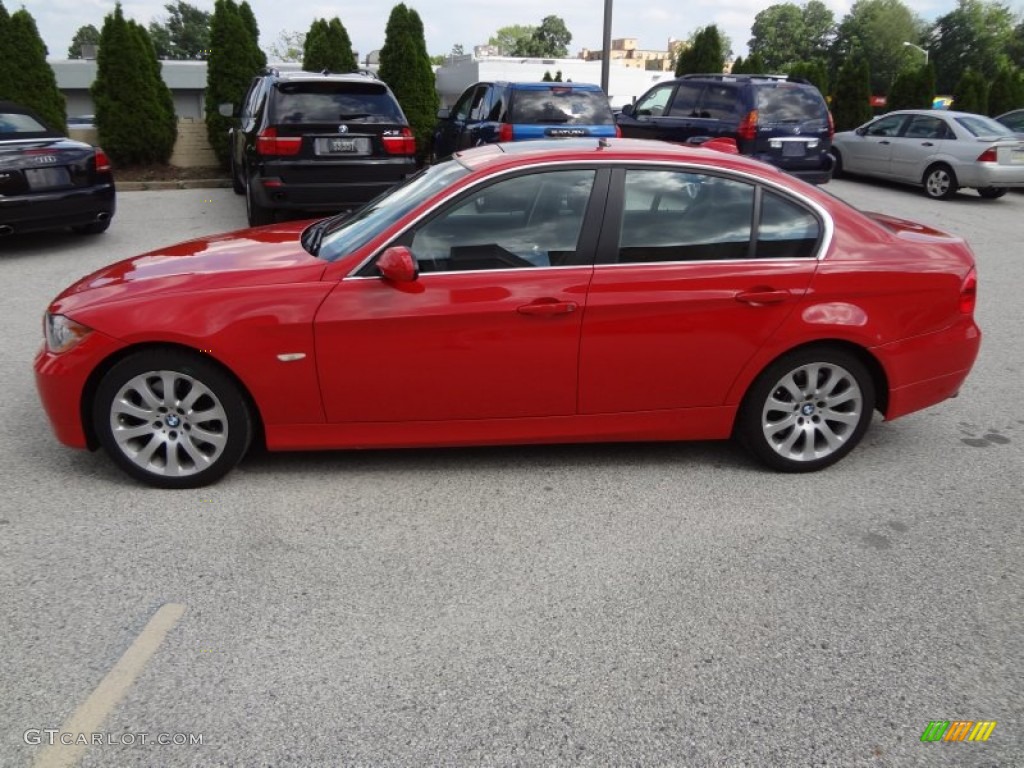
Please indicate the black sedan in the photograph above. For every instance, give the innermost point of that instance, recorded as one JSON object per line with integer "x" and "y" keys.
{"x": 48, "y": 181}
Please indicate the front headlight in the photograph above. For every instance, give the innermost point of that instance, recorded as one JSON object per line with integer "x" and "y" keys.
{"x": 62, "y": 333}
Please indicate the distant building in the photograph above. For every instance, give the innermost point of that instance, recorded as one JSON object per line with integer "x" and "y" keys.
{"x": 624, "y": 51}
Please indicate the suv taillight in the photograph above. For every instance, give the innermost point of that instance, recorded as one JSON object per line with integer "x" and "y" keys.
{"x": 831, "y": 125}
{"x": 618, "y": 131}
{"x": 102, "y": 161}
{"x": 505, "y": 132}
{"x": 969, "y": 293}
{"x": 748, "y": 126}
{"x": 988, "y": 156}
{"x": 403, "y": 143}
{"x": 269, "y": 143}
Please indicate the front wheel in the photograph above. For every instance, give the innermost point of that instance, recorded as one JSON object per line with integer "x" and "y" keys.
{"x": 837, "y": 163}
{"x": 940, "y": 182}
{"x": 171, "y": 419}
{"x": 807, "y": 410}
{"x": 992, "y": 193}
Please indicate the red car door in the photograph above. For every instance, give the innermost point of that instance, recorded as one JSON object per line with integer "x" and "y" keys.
{"x": 689, "y": 295}
{"x": 490, "y": 329}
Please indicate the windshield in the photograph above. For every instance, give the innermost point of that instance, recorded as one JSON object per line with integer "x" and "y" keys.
{"x": 985, "y": 127}
{"x": 790, "y": 103}
{"x": 347, "y": 234}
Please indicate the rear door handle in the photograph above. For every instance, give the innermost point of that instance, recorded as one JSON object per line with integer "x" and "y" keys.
{"x": 927, "y": 144}
{"x": 547, "y": 308}
{"x": 883, "y": 142}
{"x": 761, "y": 296}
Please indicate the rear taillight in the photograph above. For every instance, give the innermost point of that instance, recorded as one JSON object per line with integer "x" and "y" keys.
{"x": 269, "y": 143}
{"x": 969, "y": 293}
{"x": 618, "y": 132}
{"x": 505, "y": 132}
{"x": 748, "y": 126}
{"x": 831, "y": 126}
{"x": 403, "y": 143}
{"x": 102, "y": 161}
{"x": 988, "y": 156}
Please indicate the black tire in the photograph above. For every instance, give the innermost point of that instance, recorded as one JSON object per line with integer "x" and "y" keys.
{"x": 256, "y": 213}
{"x": 837, "y": 163}
{"x": 187, "y": 438}
{"x": 939, "y": 182}
{"x": 787, "y": 420}
{"x": 992, "y": 193}
{"x": 236, "y": 181}
{"x": 92, "y": 228}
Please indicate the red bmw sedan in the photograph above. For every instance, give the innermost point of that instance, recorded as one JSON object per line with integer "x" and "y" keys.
{"x": 541, "y": 292}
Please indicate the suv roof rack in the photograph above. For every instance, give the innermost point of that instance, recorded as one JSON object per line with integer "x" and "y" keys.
{"x": 730, "y": 77}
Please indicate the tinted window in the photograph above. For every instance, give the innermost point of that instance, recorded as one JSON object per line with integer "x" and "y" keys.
{"x": 925, "y": 127}
{"x": 720, "y": 102}
{"x": 526, "y": 221}
{"x": 790, "y": 102}
{"x": 678, "y": 216}
{"x": 329, "y": 102}
{"x": 560, "y": 105}
{"x": 886, "y": 126}
{"x": 685, "y": 102}
{"x": 498, "y": 97}
{"x": 787, "y": 229}
{"x": 1015, "y": 120}
{"x": 653, "y": 103}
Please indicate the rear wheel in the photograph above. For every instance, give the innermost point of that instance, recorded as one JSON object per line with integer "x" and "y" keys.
{"x": 940, "y": 182}
{"x": 258, "y": 215}
{"x": 837, "y": 163}
{"x": 807, "y": 410}
{"x": 171, "y": 419}
{"x": 236, "y": 181}
{"x": 991, "y": 193}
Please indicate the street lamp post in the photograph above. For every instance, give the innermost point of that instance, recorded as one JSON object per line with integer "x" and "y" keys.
{"x": 918, "y": 47}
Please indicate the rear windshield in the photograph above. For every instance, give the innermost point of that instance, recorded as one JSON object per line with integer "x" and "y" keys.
{"x": 329, "y": 102}
{"x": 789, "y": 103}
{"x": 18, "y": 123}
{"x": 985, "y": 127}
{"x": 560, "y": 105}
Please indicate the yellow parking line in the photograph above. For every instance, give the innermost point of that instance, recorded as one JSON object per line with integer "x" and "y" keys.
{"x": 112, "y": 688}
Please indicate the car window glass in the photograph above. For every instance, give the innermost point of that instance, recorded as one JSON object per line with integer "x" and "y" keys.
{"x": 790, "y": 103}
{"x": 984, "y": 127}
{"x": 526, "y": 221}
{"x": 478, "y": 106}
{"x": 925, "y": 127}
{"x": 17, "y": 122}
{"x": 685, "y": 102}
{"x": 497, "y": 103}
{"x": 332, "y": 101}
{"x": 886, "y": 126}
{"x": 654, "y": 103}
{"x": 461, "y": 109}
{"x": 786, "y": 230}
{"x": 679, "y": 216}
{"x": 560, "y": 105}
{"x": 1015, "y": 121}
{"x": 720, "y": 102}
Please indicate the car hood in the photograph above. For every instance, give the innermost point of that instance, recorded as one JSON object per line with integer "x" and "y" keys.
{"x": 263, "y": 256}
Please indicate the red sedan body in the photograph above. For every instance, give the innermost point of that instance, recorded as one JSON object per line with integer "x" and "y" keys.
{"x": 330, "y": 355}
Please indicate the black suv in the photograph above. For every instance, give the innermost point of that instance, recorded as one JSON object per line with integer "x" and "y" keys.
{"x": 780, "y": 120}
{"x": 318, "y": 142}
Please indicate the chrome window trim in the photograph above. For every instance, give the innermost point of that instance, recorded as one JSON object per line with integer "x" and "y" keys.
{"x": 828, "y": 225}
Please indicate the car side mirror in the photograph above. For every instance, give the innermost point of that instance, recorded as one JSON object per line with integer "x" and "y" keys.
{"x": 862, "y": 130}
{"x": 398, "y": 265}
{"x": 627, "y": 110}
{"x": 443, "y": 113}
{"x": 227, "y": 109}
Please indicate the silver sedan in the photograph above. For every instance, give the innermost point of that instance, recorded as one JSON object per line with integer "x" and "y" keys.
{"x": 938, "y": 150}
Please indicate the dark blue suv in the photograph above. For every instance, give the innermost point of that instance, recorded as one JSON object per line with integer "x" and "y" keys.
{"x": 780, "y": 120}
{"x": 490, "y": 112}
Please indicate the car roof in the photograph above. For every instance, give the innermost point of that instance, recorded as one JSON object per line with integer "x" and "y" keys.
{"x": 933, "y": 112}
{"x": 539, "y": 84}
{"x": 353, "y": 77}
{"x": 521, "y": 152}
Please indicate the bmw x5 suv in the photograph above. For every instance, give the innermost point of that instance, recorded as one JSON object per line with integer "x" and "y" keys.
{"x": 318, "y": 142}
{"x": 777, "y": 119}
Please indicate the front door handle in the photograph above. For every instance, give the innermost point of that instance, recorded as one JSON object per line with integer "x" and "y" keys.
{"x": 883, "y": 142}
{"x": 547, "y": 308}
{"x": 761, "y": 296}
{"x": 927, "y": 144}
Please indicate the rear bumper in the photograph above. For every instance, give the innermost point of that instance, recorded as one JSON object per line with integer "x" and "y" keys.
{"x": 61, "y": 208}
{"x": 981, "y": 175}
{"x": 327, "y": 187}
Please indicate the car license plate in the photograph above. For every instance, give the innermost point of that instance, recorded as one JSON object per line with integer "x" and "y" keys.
{"x": 793, "y": 149}
{"x": 343, "y": 146}
{"x": 47, "y": 178}
{"x": 1017, "y": 157}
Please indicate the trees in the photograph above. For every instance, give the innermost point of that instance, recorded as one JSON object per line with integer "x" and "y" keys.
{"x": 786, "y": 34}
{"x": 328, "y": 47}
{"x": 706, "y": 53}
{"x": 134, "y": 111}
{"x": 25, "y": 77}
{"x": 814, "y": 72}
{"x": 185, "y": 34}
{"x": 235, "y": 58}
{"x": 87, "y": 35}
{"x": 971, "y": 92}
{"x": 1006, "y": 91}
{"x": 548, "y": 41}
{"x": 288, "y": 47}
{"x": 875, "y": 30}
{"x": 913, "y": 88}
{"x": 976, "y": 34}
{"x": 851, "y": 101}
{"x": 508, "y": 39}
{"x": 405, "y": 67}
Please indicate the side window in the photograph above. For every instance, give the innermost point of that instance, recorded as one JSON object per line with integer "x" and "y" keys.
{"x": 686, "y": 100}
{"x": 461, "y": 109}
{"x": 654, "y": 102}
{"x": 251, "y": 98}
{"x": 526, "y": 221}
{"x": 498, "y": 99}
{"x": 887, "y": 126}
{"x": 679, "y": 216}
{"x": 924, "y": 127}
{"x": 720, "y": 102}
{"x": 478, "y": 109}
{"x": 787, "y": 230}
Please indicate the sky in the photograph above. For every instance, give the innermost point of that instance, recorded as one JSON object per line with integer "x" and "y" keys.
{"x": 451, "y": 22}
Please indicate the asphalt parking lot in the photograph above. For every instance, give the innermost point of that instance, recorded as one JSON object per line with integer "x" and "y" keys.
{"x": 596, "y": 605}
